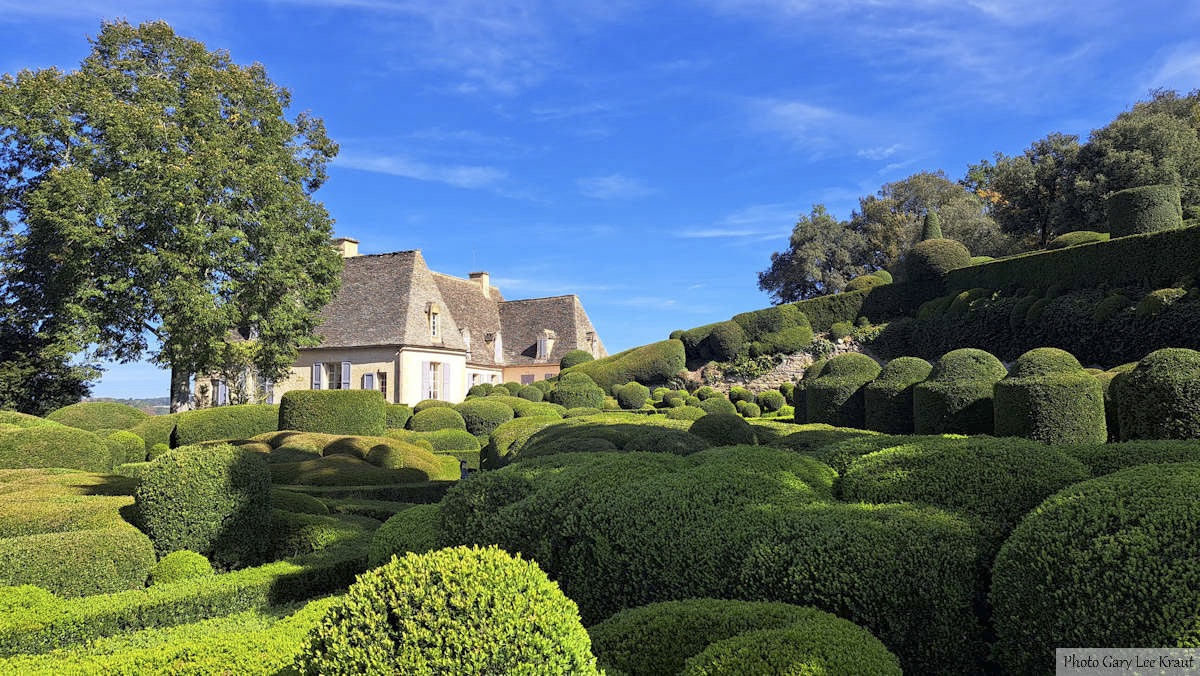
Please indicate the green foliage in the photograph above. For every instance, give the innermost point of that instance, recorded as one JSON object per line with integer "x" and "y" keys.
{"x": 483, "y": 416}
{"x": 573, "y": 358}
{"x": 648, "y": 364}
{"x": 1144, "y": 209}
{"x": 781, "y": 329}
{"x": 1110, "y": 306}
{"x": 840, "y": 330}
{"x": 799, "y": 396}
{"x": 931, "y": 226}
{"x": 156, "y": 429}
{"x": 412, "y": 530}
{"x": 632, "y": 396}
{"x": 1076, "y": 563}
{"x": 226, "y": 422}
{"x": 1048, "y": 397}
{"x": 723, "y": 429}
{"x": 180, "y": 565}
{"x": 437, "y": 418}
{"x": 840, "y": 648}
{"x": 1155, "y": 302}
{"x": 726, "y": 341}
{"x": 78, "y": 563}
{"x": 737, "y": 393}
{"x": 1158, "y": 398}
{"x": 748, "y": 409}
{"x": 582, "y": 412}
{"x": 54, "y": 446}
{"x": 451, "y": 440}
{"x": 212, "y": 500}
{"x": 686, "y": 413}
{"x": 513, "y": 387}
{"x": 888, "y": 400}
{"x": 576, "y": 389}
{"x": 508, "y": 439}
{"x": 747, "y": 367}
{"x": 1076, "y": 238}
{"x": 480, "y": 390}
{"x": 397, "y": 464}
{"x": 393, "y": 620}
{"x": 333, "y": 411}
{"x": 835, "y": 395}
{"x": 863, "y": 282}
{"x": 1103, "y": 459}
{"x": 95, "y": 415}
{"x": 957, "y": 395}
{"x": 661, "y": 637}
{"x": 880, "y": 303}
{"x": 499, "y": 391}
{"x": 932, "y": 259}
{"x": 124, "y": 446}
{"x": 294, "y": 534}
{"x": 823, "y": 254}
{"x": 531, "y": 393}
{"x": 24, "y": 420}
{"x": 770, "y": 400}
{"x": 293, "y": 501}
{"x": 884, "y": 275}
{"x": 396, "y": 416}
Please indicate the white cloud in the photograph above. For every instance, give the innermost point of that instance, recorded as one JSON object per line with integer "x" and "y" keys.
{"x": 755, "y": 223}
{"x": 1180, "y": 69}
{"x": 395, "y": 165}
{"x": 612, "y": 186}
{"x": 880, "y": 152}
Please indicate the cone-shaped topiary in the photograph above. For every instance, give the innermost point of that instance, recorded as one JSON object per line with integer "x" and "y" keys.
{"x": 1160, "y": 397}
{"x": 931, "y": 227}
{"x": 1048, "y": 397}
{"x": 930, "y": 259}
{"x": 1147, "y": 208}
{"x": 889, "y": 398}
{"x": 452, "y": 611}
{"x": 836, "y": 396}
{"x": 957, "y": 396}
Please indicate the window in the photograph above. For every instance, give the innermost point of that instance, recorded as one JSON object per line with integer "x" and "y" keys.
{"x": 318, "y": 375}
{"x": 268, "y": 391}
{"x": 495, "y": 379}
{"x": 433, "y": 324}
{"x": 368, "y": 381}
{"x": 527, "y": 379}
{"x": 542, "y": 347}
{"x": 431, "y": 380}
{"x": 383, "y": 384}
{"x": 333, "y": 371}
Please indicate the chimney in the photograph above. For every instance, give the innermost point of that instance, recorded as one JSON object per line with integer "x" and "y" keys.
{"x": 485, "y": 283}
{"x": 347, "y": 247}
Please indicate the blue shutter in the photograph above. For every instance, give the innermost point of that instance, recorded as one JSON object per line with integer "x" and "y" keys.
{"x": 368, "y": 381}
{"x": 426, "y": 379}
{"x": 345, "y": 375}
{"x": 317, "y": 369}
{"x": 445, "y": 381}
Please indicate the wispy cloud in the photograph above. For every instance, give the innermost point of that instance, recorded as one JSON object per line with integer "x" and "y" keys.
{"x": 396, "y": 165}
{"x": 654, "y": 302}
{"x": 612, "y": 187}
{"x": 1180, "y": 69}
{"x": 756, "y": 223}
{"x": 880, "y": 152}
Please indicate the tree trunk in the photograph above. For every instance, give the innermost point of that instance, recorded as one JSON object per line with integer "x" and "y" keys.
{"x": 181, "y": 392}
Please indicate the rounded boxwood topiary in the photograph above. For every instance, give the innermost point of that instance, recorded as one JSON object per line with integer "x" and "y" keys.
{"x": 1076, "y": 238}
{"x": 686, "y": 413}
{"x": 836, "y": 648}
{"x": 78, "y": 562}
{"x": 748, "y": 409}
{"x": 440, "y": 403}
{"x": 957, "y": 395}
{"x": 54, "y": 446}
{"x": 225, "y": 422}
{"x": 513, "y": 387}
{"x": 581, "y": 412}
{"x": 574, "y": 357}
{"x": 507, "y": 617}
{"x": 531, "y": 393}
{"x": 723, "y": 429}
{"x": 840, "y": 330}
{"x": 931, "y": 259}
{"x": 483, "y": 416}
{"x": 451, "y": 440}
{"x": 673, "y": 400}
{"x": 737, "y": 394}
{"x": 480, "y": 390}
{"x": 437, "y": 418}
{"x": 577, "y": 390}
{"x": 660, "y": 638}
{"x": 180, "y": 565}
{"x": 786, "y": 388}
{"x": 863, "y": 282}
{"x": 413, "y": 530}
{"x": 97, "y": 415}
{"x": 361, "y": 412}
{"x": 888, "y": 400}
{"x": 396, "y": 416}
{"x": 1048, "y": 397}
{"x": 770, "y": 400}
{"x": 1160, "y": 397}
{"x": 726, "y": 341}
{"x": 124, "y": 446}
{"x": 1155, "y": 302}
{"x": 799, "y": 398}
{"x": 212, "y": 500}
{"x": 1112, "y": 561}
{"x": 836, "y": 395}
{"x": 705, "y": 392}
{"x": 1147, "y": 208}
{"x": 301, "y": 503}
{"x": 718, "y": 405}
{"x": 884, "y": 275}
{"x": 632, "y": 396}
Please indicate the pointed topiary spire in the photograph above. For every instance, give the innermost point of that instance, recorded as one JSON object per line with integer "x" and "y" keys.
{"x": 932, "y": 228}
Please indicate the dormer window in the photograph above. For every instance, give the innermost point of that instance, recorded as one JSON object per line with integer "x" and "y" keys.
{"x": 433, "y": 312}
{"x": 433, "y": 324}
{"x": 545, "y": 344}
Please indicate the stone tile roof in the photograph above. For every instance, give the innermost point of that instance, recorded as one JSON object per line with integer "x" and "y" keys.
{"x": 524, "y": 321}
{"x": 473, "y": 312}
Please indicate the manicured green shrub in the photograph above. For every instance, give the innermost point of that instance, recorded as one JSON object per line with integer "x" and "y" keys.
{"x": 723, "y": 429}
{"x": 835, "y": 396}
{"x": 1101, "y": 458}
{"x": 574, "y": 358}
{"x": 660, "y": 638}
{"x": 888, "y": 400}
{"x": 840, "y": 647}
{"x": 1076, "y": 238}
{"x": 1112, "y": 304}
{"x": 157, "y": 450}
{"x": 996, "y": 480}
{"x": 863, "y": 282}
{"x": 480, "y": 390}
{"x": 581, "y": 412}
{"x": 413, "y": 530}
{"x": 95, "y": 415}
{"x": 399, "y": 464}
{"x": 770, "y": 320}
{"x": 786, "y": 388}
{"x": 932, "y": 259}
{"x": 748, "y": 409}
{"x": 1155, "y": 302}
{"x": 396, "y": 416}
{"x": 840, "y": 448}
{"x": 293, "y": 501}
{"x": 1104, "y": 562}
{"x": 673, "y": 400}
{"x": 531, "y": 393}
{"x": 632, "y": 396}
{"x": 451, "y": 440}
{"x": 957, "y": 395}
{"x": 211, "y": 500}
{"x": 513, "y": 387}
{"x": 295, "y": 534}
{"x": 24, "y": 420}
{"x": 666, "y": 441}
{"x": 482, "y": 416}
{"x": 840, "y": 330}
{"x": 931, "y": 226}
{"x": 787, "y": 341}
{"x": 54, "y": 446}
{"x": 691, "y": 401}
{"x": 726, "y": 341}
{"x": 737, "y": 394}
{"x": 705, "y": 392}
{"x": 577, "y": 390}
{"x": 156, "y": 429}
{"x": 362, "y": 412}
{"x": 686, "y": 413}
{"x": 508, "y": 439}
{"x": 718, "y": 405}
{"x": 1158, "y": 398}
{"x": 394, "y": 620}
{"x": 770, "y": 400}
{"x": 1144, "y": 209}
{"x": 124, "y": 446}
{"x": 180, "y": 565}
{"x": 437, "y": 418}
{"x": 1048, "y": 397}
{"x": 226, "y": 422}
{"x": 78, "y": 563}
{"x": 648, "y": 364}
{"x": 799, "y": 396}
{"x": 424, "y": 404}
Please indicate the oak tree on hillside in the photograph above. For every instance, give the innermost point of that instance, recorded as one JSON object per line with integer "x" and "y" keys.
{"x": 157, "y": 199}
{"x": 823, "y": 254}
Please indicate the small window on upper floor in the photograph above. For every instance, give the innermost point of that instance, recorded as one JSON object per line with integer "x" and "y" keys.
{"x": 433, "y": 324}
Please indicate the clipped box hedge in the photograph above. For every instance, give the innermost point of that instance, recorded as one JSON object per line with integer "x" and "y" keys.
{"x": 957, "y": 395}
{"x": 1160, "y": 397}
{"x": 888, "y": 400}
{"x": 835, "y": 396}
{"x": 1048, "y": 397}
{"x": 362, "y": 412}
{"x": 54, "y": 446}
{"x": 96, "y": 415}
{"x": 484, "y": 415}
{"x": 78, "y": 563}
{"x": 1147, "y": 208}
{"x": 653, "y": 363}
{"x": 224, "y": 422}
{"x": 413, "y": 530}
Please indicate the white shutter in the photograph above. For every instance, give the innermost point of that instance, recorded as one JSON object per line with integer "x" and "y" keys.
{"x": 269, "y": 391}
{"x": 317, "y": 370}
{"x": 426, "y": 379}
{"x": 445, "y": 381}
{"x": 222, "y": 394}
{"x": 368, "y": 381}
{"x": 345, "y": 375}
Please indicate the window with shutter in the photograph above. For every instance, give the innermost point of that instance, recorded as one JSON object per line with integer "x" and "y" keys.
{"x": 222, "y": 394}
{"x": 426, "y": 379}
{"x": 318, "y": 370}
{"x": 345, "y": 375}
{"x": 368, "y": 381}
{"x": 446, "y": 381}
{"x": 268, "y": 386}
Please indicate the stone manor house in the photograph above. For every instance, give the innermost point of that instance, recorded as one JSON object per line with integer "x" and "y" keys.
{"x": 411, "y": 333}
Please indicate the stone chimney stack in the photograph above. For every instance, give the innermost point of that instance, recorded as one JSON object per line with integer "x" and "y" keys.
{"x": 485, "y": 282}
{"x": 347, "y": 247}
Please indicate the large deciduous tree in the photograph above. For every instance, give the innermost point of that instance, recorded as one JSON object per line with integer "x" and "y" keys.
{"x": 823, "y": 254}
{"x": 158, "y": 199}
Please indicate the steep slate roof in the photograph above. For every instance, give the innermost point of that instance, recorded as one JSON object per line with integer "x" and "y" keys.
{"x": 524, "y": 320}
{"x": 383, "y": 301}
{"x": 473, "y": 311}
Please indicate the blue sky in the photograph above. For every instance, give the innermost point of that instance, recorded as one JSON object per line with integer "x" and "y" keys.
{"x": 648, "y": 156}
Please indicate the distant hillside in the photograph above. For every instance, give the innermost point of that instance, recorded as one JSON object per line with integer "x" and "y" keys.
{"x": 153, "y": 406}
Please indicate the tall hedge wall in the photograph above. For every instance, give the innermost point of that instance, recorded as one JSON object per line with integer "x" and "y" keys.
{"x": 362, "y": 412}
{"x": 648, "y": 364}
{"x": 878, "y": 304}
{"x": 224, "y": 422}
